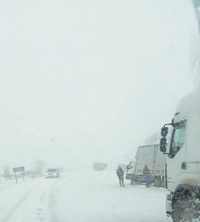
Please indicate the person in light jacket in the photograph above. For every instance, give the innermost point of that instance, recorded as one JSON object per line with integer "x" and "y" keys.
{"x": 147, "y": 176}
{"x": 120, "y": 174}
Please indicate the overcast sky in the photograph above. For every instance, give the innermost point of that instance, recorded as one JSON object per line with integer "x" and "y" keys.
{"x": 85, "y": 81}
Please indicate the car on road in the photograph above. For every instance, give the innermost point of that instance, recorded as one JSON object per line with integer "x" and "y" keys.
{"x": 52, "y": 173}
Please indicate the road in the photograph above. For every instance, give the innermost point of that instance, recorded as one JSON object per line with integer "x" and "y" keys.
{"x": 82, "y": 196}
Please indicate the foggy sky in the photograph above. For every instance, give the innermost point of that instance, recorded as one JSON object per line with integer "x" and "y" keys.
{"x": 85, "y": 81}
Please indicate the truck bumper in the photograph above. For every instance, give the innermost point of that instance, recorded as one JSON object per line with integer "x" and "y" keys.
{"x": 169, "y": 205}
{"x": 128, "y": 176}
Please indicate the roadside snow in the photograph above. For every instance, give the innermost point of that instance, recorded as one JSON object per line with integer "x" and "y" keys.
{"x": 80, "y": 196}
{"x": 5, "y": 183}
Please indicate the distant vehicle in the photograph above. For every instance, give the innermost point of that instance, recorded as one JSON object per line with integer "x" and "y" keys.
{"x": 100, "y": 166}
{"x": 52, "y": 173}
{"x": 151, "y": 156}
{"x": 130, "y": 172}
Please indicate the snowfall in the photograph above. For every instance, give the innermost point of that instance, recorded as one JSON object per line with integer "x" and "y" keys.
{"x": 81, "y": 195}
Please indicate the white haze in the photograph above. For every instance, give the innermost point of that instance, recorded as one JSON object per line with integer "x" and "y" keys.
{"x": 85, "y": 81}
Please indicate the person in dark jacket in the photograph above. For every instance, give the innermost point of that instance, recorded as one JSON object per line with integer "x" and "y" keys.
{"x": 120, "y": 174}
{"x": 146, "y": 170}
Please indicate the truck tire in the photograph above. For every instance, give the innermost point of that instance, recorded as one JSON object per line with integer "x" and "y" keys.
{"x": 185, "y": 208}
{"x": 132, "y": 179}
{"x": 157, "y": 182}
{"x": 183, "y": 211}
{"x": 147, "y": 185}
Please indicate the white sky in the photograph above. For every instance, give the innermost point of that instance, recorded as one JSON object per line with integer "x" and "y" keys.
{"x": 90, "y": 80}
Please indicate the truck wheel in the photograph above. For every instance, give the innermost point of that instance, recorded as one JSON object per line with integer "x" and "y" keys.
{"x": 133, "y": 180}
{"x": 147, "y": 185}
{"x": 184, "y": 212}
{"x": 185, "y": 209}
{"x": 157, "y": 182}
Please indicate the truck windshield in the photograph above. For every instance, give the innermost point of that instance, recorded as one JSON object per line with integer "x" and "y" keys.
{"x": 197, "y": 8}
{"x": 130, "y": 165}
{"x": 178, "y": 138}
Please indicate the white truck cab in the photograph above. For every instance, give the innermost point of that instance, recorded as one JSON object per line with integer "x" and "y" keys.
{"x": 183, "y": 160}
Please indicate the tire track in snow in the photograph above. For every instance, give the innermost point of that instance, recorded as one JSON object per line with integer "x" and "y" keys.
{"x": 19, "y": 203}
{"x": 53, "y": 197}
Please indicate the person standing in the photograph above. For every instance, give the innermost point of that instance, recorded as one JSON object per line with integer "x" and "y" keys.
{"x": 120, "y": 174}
{"x": 147, "y": 176}
{"x": 146, "y": 170}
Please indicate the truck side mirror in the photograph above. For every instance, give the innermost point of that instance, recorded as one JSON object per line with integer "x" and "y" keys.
{"x": 164, "y": 131}
{"x": 163, "y": 144}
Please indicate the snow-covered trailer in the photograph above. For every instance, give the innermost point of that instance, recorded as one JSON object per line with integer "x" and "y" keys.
{"x": 151, "y": 156}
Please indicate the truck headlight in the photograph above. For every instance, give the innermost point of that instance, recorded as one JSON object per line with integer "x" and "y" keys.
{"x": 169, "y": 197}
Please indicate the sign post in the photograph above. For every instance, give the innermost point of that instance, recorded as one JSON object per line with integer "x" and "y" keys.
{"x": 16, "y": 177}
{"x": 19, "y": 169}
{"x": 23, "y": 175}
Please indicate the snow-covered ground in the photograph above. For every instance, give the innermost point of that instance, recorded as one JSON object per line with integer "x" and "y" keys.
{"x": 81, "y": 196}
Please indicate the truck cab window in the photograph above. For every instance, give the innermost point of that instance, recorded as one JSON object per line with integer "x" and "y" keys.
{"x": 197, "y": 8}
{"x": 178, "y": 138}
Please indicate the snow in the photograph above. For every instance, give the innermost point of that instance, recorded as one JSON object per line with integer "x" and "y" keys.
{"x": 81, "y": 78}
{"x": 81, "y": 195}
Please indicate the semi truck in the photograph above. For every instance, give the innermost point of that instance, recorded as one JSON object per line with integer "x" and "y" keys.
{"x": 183, "y": 152}
{"x": 151, "y": 156}
{"x": 183, "y": 160}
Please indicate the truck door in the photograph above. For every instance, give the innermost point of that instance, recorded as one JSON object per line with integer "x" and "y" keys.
{"x": 176, "y": 160}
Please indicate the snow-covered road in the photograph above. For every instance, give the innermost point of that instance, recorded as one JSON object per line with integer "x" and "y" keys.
{"x": 81, "y": 196}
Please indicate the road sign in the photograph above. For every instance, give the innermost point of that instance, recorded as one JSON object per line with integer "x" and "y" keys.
{"x": 18, "y": 169}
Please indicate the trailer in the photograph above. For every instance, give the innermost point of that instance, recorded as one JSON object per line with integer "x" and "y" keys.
{"x": 151, "y": 156}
